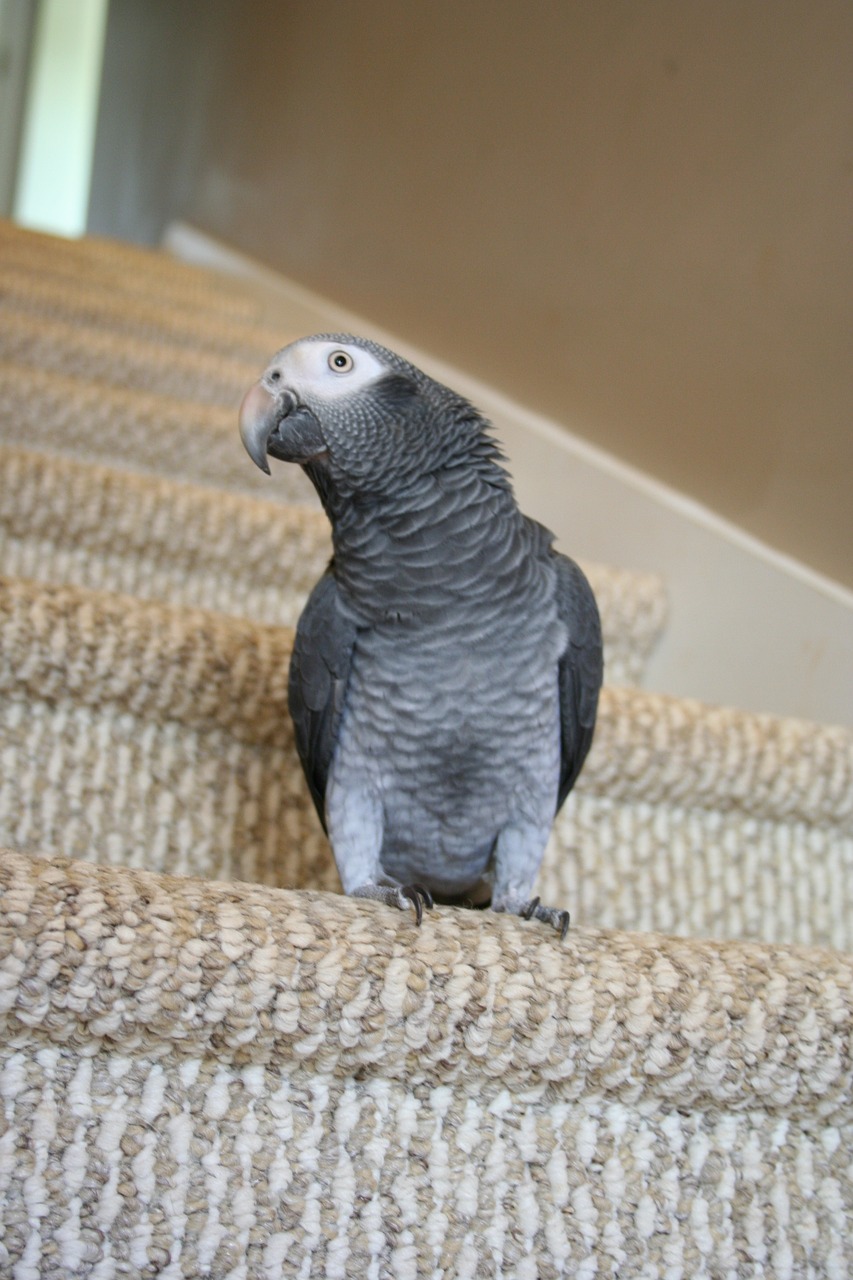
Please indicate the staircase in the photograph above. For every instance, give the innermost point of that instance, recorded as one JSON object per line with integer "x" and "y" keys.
{"x": 217, "y": 1065}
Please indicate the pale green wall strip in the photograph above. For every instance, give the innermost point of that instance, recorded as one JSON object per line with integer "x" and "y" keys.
{"x": 60, "y": 117}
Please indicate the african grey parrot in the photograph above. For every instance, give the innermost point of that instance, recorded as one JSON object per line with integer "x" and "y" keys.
{"x": 446, "y": 668}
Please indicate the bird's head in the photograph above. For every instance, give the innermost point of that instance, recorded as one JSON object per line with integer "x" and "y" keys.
{"x": 359, "y": 418}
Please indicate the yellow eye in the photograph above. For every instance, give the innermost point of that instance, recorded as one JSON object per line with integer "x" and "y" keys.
{"x": 340, "y": 362}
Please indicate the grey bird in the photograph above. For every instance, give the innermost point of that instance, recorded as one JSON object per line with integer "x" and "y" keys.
{"x": 446, "y": 669}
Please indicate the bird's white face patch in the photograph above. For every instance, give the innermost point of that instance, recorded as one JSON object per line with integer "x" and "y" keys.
{"x": 323, "y": 370}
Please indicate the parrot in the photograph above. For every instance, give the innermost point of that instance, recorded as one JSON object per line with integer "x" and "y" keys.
{"x": 446, "y": 668}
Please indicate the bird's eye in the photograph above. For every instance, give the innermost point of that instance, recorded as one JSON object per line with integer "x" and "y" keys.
{"x": 340, "y": 362}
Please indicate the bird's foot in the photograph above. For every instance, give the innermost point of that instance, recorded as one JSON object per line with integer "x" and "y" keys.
{"x": 398, "y": 895}
{"x": 548, "y": 915}
{"x": 518, "y": 905}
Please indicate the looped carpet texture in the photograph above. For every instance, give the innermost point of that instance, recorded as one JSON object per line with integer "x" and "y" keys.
{"x": 212, "y": 1064}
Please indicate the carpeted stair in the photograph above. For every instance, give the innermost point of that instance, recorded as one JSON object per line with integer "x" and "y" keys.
{"x": 212, "y": 1063}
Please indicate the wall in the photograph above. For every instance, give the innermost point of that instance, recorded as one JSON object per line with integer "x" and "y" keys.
{"x": 164, "y": 62}
{"x": 16, "y": 28}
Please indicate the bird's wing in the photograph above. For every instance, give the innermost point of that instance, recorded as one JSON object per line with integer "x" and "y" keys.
{"x": 580, "y": 670}
{"x": 319, "y": 671}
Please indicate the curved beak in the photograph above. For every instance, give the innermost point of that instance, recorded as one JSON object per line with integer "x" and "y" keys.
{"x": 260, "y": 414}
{"x": 278, "y": 426}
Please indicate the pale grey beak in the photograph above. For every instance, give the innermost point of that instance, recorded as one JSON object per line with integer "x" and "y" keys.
{"x": 260, "y": 414}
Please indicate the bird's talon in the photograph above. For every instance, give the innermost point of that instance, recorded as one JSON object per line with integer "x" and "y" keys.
{"x": 530, "y": 909}
{"x": 565, "y": 920}
{"x": 425, "y": 894}
{"x": 421, "y": 898}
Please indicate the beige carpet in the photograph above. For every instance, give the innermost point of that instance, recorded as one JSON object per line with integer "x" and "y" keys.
{"x": 212, "y": 1063}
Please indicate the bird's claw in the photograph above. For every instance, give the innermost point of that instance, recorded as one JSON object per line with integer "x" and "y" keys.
{"x": 548, "y": 915}
{"x": 420, "y": 896}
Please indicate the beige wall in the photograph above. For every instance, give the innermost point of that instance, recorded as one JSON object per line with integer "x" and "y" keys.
{"x": 634, "y": 217}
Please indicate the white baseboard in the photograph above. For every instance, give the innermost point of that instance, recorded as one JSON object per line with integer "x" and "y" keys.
{"x": 749, "y": 626}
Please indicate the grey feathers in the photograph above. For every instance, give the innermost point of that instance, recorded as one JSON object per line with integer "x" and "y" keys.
{"x": 319, "y": 670}
{"x": 580, "y": 670}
